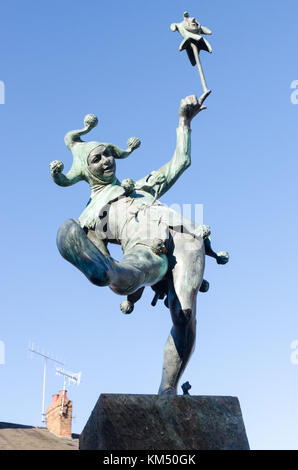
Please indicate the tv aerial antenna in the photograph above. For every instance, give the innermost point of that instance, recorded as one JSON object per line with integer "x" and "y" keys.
{"x": 46, "y": 357}
{"x": 73, "y": 378}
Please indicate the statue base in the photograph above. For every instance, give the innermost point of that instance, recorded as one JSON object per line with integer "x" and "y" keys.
{"x": 164, "y": 422}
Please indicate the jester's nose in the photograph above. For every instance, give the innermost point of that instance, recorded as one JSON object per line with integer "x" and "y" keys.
{"x": 106, "y": 160}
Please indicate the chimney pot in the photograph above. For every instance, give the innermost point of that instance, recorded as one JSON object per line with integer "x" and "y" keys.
{"x": 59, "y": 415}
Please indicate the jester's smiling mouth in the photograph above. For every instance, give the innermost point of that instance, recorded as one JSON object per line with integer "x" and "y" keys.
{"x": 109, "y": 167}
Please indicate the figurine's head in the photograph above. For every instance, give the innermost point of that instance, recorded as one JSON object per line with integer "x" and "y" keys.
{"x": 94, "y": 162}
{"x": 190, "y": 24}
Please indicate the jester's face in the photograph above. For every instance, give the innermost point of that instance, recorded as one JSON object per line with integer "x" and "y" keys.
{"x": 191, "y": 25}
{"x": 101, "y": 163}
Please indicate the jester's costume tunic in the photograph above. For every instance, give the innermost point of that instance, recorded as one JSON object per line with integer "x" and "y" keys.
{"x": 137, "y": 218}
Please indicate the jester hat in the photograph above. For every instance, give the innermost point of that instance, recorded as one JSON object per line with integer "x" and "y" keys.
{"x": 80, "y": 151}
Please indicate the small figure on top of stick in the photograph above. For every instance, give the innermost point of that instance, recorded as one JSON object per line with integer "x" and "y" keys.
{"x": 193, "y": 42}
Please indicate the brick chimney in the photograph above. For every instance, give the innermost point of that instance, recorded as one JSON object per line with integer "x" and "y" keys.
{"x": 59, "y": 415}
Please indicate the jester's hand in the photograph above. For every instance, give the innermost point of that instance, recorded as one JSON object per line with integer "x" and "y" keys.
{"x": 190, "y": 107}
{"x": 56, "y": 167}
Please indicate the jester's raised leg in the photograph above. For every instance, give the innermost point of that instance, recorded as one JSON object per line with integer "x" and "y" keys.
{"x": 139, "y": 267}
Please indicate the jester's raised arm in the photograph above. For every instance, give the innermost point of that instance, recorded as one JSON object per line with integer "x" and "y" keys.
{"x": 160, "y": 181}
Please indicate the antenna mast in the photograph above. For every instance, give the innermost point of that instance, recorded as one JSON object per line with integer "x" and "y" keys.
{"x": 46, "y": 357}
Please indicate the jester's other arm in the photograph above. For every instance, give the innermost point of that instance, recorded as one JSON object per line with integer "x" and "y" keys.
{"x": 160, "y": 181}
{"x": 59, "y": 178}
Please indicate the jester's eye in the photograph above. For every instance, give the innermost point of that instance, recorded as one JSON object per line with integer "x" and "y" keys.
{"x": 109, "y": 152}
{"x": 96, "y": 158}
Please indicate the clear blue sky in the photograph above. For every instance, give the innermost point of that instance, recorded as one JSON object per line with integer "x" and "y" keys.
{"x": 119, "y": 60}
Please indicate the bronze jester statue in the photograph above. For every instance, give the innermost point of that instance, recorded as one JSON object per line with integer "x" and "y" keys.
{"x": 160, "y": 248}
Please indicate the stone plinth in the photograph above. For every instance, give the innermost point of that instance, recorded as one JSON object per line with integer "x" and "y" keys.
{"x": 153, "y": 422}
